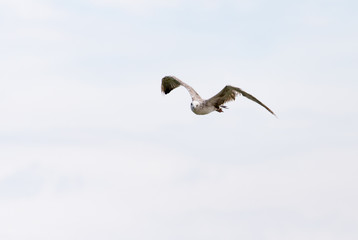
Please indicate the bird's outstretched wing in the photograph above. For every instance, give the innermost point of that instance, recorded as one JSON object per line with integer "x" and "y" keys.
{"x": 171, "y": 82}
{"x": 229, "y": 93}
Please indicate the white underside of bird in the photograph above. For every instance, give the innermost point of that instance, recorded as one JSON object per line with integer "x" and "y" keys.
{"x": 199, "y": 109}
{"x": 201, "y": 106}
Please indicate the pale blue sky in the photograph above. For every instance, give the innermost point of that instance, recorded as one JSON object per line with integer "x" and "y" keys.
{"x": 90, "y": 148}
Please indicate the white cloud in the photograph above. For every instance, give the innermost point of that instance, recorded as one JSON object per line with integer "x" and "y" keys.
{"x": 138, "y": 6}
{"x": 136, "y": 190}
{"x": 34, "y": 10}
{"x": 148, "y": 6}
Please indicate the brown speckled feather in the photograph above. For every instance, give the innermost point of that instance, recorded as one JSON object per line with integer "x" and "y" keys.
{"x": 229, "y": 93}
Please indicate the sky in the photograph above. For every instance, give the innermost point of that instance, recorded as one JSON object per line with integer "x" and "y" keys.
{"x": 91, "y": 149}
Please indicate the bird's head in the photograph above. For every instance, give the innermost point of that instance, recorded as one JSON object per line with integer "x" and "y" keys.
{"x": 194, "y": 105}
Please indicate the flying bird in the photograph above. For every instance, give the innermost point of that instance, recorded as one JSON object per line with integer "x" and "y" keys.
{"x": 201, "y": 106}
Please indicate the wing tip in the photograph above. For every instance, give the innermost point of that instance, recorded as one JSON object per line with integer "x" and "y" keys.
{"x": 271, "y": 111}
{"x": 164, "y": 86}
{"x": 165, "y": 90}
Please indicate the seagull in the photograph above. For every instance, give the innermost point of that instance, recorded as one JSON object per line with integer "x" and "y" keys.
{"x": 201, "y": 106}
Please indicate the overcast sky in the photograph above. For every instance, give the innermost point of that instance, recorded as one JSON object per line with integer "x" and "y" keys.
{"x": 91, "y": 149}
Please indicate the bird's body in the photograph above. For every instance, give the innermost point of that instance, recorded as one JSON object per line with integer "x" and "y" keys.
{"x": 204, "y": 106}
{"x": 201, "y": 108}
